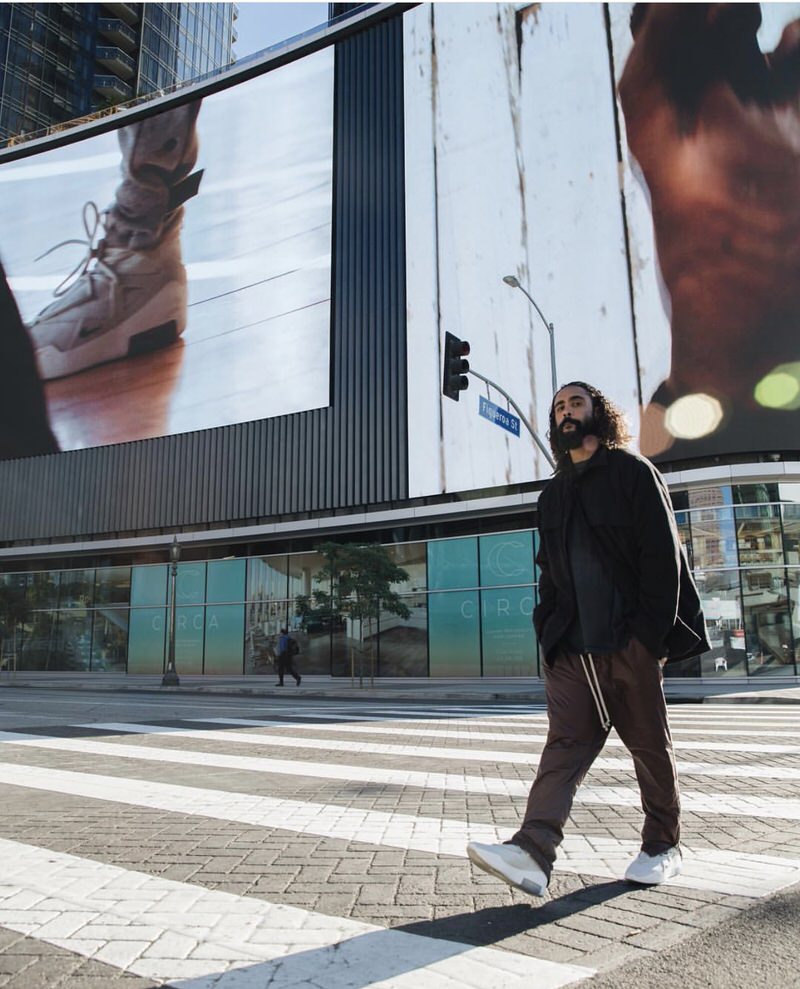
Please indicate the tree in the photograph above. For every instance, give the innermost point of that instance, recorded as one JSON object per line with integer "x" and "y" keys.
{"x": 361, "y": 579}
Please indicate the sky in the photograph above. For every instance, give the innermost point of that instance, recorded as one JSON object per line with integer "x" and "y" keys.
{"x": 260, "y": 25}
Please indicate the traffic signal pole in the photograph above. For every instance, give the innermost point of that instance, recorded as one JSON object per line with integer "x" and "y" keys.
{"x": 520, "y": 413}
{"x": 454, "y": 381}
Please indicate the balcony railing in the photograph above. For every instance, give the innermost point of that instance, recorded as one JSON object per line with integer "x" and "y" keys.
{"x": 112, "y": 87}
{"x": 129, "y": 12}
{"x": 116, "y": 61}
{"x": 118, "y": 33}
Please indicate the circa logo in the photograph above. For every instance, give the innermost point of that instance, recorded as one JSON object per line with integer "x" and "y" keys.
{"x": 500, "y": 607}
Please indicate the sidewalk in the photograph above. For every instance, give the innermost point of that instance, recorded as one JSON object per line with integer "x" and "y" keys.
{"x": 409, "y": 690}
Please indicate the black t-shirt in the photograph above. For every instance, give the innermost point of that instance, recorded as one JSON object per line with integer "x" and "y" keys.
{"x": 599, "y": 625}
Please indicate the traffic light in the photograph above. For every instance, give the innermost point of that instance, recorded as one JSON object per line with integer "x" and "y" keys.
{"x": 455, "y": 378}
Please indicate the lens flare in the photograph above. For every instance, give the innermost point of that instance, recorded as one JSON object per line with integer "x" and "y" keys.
{"x": 780, "y": 389}
{"x": 693, "y": 416}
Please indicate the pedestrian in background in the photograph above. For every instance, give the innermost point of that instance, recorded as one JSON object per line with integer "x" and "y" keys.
{"x": 616, "y": 602}
{"x": 287, "y": 650}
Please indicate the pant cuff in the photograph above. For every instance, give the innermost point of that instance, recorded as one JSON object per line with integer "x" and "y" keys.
{"x": 657, "y": 847}
{"x": 525, "y": 843}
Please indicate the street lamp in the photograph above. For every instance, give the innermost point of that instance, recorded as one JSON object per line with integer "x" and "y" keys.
{"x": 170, "y": 678}
{"x": 513, "y": 281}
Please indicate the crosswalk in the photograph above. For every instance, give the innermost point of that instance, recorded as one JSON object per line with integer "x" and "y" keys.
{"x": 383, "y": 784}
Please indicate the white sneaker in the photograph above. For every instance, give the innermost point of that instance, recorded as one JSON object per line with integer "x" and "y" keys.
{"x": 123, "y": 302}
{"x": 651, "y": 870}
{"x": 510, "y": 863}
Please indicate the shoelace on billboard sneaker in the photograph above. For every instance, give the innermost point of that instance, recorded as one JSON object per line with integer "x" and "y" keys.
{"x": 93, "y": 220}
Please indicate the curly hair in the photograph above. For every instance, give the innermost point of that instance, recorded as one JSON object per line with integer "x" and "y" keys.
{"x": 611, "y": 426}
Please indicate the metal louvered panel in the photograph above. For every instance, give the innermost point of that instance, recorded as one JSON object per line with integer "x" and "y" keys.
{"x": 349, "y": 454}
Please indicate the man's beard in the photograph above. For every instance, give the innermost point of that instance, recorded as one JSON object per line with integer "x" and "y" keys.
{"x": 575, "y": 437}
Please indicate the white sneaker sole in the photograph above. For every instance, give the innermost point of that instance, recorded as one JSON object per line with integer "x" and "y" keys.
{"x": 500, "y": 870}
{"x": 157, "y": 324}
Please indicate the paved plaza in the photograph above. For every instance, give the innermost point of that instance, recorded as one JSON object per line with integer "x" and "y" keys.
{"x": 290, "y": 841}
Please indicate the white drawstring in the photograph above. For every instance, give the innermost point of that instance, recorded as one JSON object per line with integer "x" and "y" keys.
{"x": 594, "y": 686}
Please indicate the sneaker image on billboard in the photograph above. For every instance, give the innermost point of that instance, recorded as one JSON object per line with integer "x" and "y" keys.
{"x": 124, "y": 301}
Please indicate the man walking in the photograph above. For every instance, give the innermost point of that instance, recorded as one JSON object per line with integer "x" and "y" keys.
{"x": 287, "y": 650}
{"x": 616, "y": 601}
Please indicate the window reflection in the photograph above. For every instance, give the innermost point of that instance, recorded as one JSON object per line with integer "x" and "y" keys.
{"x": 768, "y": 630}
{"x": 758, "y": 531}
{"x": 266, "y": 611}
{"x": 713, "y": 538}
{"x": 721, "y": 600}
{"x": 43, "y": 590}
{"x": 402, "y": 643}
{"x": 412, "y": 558}
{"x": 791, "y": 534}
{"x": 267, "y": 578}
{"x": 303, "y": 569}
{"x": 112, "y": 585}
{"x": 110, "y": 640}
{"x": 76, "y": 589}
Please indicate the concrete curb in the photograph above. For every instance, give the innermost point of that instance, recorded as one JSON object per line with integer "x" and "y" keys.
{"x": 420, "y": 693}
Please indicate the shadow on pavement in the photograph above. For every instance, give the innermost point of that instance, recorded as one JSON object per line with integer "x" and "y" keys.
{"x": 493, "y": 924}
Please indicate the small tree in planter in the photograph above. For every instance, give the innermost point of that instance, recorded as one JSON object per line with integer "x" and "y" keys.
{"x": 361, "y": 579}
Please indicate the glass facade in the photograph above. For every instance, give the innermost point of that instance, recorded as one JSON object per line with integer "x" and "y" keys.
{"x": 59, "y": 61}
{"x": 469, "y": 598}
{"x": 46, "y": 64}
{"x": 181, "y": 41}
{"x": 742, "y": 543}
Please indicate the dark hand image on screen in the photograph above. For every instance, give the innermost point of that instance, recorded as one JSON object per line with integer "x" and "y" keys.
{"x": 714, "y": 125}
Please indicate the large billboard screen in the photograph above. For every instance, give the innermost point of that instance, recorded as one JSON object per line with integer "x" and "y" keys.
{"x": 635, "y": 169}
{"x": 174, "y": 275}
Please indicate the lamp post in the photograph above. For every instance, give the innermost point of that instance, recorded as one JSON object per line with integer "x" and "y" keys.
{"x": 513, "y": 281}
{"x": 170, "y": 678}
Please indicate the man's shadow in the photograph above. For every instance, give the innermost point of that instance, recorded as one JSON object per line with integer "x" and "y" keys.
{"x": 493, "y": 924}
{"x": 381, "y": 955}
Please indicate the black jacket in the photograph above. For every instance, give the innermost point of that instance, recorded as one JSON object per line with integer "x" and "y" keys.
{"x": 626, "y": 503}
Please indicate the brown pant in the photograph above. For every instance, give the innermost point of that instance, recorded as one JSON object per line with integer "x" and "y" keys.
{"x": 632, "y": 687}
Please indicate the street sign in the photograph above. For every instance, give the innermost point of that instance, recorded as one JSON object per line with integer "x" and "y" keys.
{"x": 498, "y": 416}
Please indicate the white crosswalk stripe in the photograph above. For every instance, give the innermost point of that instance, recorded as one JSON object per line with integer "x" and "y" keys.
{"x": 478, "y": 754}
{"x": 711, "y": 746}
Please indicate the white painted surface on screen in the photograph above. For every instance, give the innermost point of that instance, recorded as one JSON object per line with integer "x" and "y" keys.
{"x": 523, "y": 179}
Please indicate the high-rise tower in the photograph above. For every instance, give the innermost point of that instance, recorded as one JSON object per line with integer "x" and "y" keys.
{"x": 62, "y": 61}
